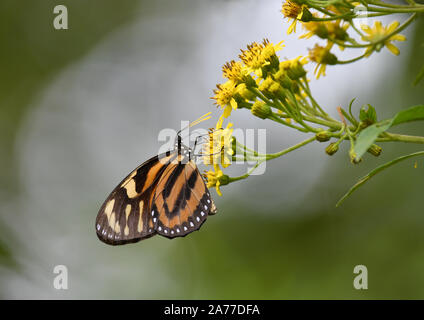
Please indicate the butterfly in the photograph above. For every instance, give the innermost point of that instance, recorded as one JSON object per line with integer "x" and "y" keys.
{"x": 165, "y": 195}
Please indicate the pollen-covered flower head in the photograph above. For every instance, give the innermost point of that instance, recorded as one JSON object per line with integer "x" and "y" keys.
{"x": 224, "y": 97}
{"x": 379, "y": 32}
{"x": 295, "y": 11}
{"x": 291, "y": 9}
{"x": 259, "y": 55}
{"x": 235, "y": 71}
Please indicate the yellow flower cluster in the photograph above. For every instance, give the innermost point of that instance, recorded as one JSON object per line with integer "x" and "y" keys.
{"x": 259, "y": 74}
{"x": 239, "y": 74}
{"x": 328, "y": 24}
{"x": 278, "y": 89}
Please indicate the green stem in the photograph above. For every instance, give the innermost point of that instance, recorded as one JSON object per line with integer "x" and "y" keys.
{"x": 355, "y": 28}
{"x": 308, "y": 92}
{"x": 351, "y": 60}
{"x": 395, "y": 6}
{"x": 348, "y": 117}
{"x": 244, "y": 176}
{"x": 275, "y": 118}
{"x": 285, "y": 151}
{"x": 331, "y": 124}
{"x": 331, "y": 18}
{"x": 401, "y": 138}
{"x": 270, "y": 157}
{"x": 397, "y": 10}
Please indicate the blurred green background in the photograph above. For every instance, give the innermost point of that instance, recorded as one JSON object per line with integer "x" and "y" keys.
{"x": 80, "y": 108}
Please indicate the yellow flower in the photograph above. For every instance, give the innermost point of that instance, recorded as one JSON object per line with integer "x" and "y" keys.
{"x": 224, "y": 97}
{"x": 325, "y": 30}
{"x": 313, "y": 28}
{"x": 216, "y": 179}
{"x": 293, "y": 68}
{"x": 378, "y": 32}
{"x": 322, "y": 57}
{"x": 212, "y": 178}
{"x": 235, "y": 71}
{"x": 259, "y": 55}
{"x": 219, "y": 146}
{"x": 294, "y": 11}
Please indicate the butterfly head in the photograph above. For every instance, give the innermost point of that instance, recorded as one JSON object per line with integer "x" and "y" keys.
{"x": 182, "y": 148}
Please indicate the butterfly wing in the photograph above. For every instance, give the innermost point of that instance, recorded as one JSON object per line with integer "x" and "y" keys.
{"x": 125, "y": 215}
{"x": 182, "y": 202}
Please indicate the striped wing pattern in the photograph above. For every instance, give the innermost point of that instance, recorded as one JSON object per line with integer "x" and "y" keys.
{"x": 182, "y": 201}
{"x": 165, "y": 195}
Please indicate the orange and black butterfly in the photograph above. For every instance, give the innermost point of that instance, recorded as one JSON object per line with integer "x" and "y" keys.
{"x": 165, "y": 195}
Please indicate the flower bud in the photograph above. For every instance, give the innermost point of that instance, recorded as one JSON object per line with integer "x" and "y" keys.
{"x": 332, "y": 148}
{"x": 296, "y": 70}
{"x": 306, "y": 15}
{"x": 234, "y": 145}
{"x": 375, "y": 150}
{"x": 261, "y": 110}
{"x": 368, "y": 116}
{"x": 323, "y": 136}
{"x": 224, "y": 179}
{"x": 353, "y": 157}
{"x": 250, "y": 82}
{"x": 286, "y": 82}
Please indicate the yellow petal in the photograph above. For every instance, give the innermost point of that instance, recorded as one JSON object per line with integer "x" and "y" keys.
{"x": 393, "y": 49}
{"x": 366, "y": 28}
{"x": 233, "y": 103}
{"x": 392, "y": 27}
{"x": 378, "y": 26}
{"x": 398, "y": 37}
{"x": 218, "y": 191}
{"x": 227, "y": 111}
{"x": 292, "y": 27}
{"x": 219, "y": 122}
{"x": 258, "y": 72}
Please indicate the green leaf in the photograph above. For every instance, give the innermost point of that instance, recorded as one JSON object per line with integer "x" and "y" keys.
{"x": 375, "y": 171}
{"x": 369, "y": 116}
{"x": 419, "y": 77}
{"x": 367, "y": 136}
{"x": 411, "y": 114}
